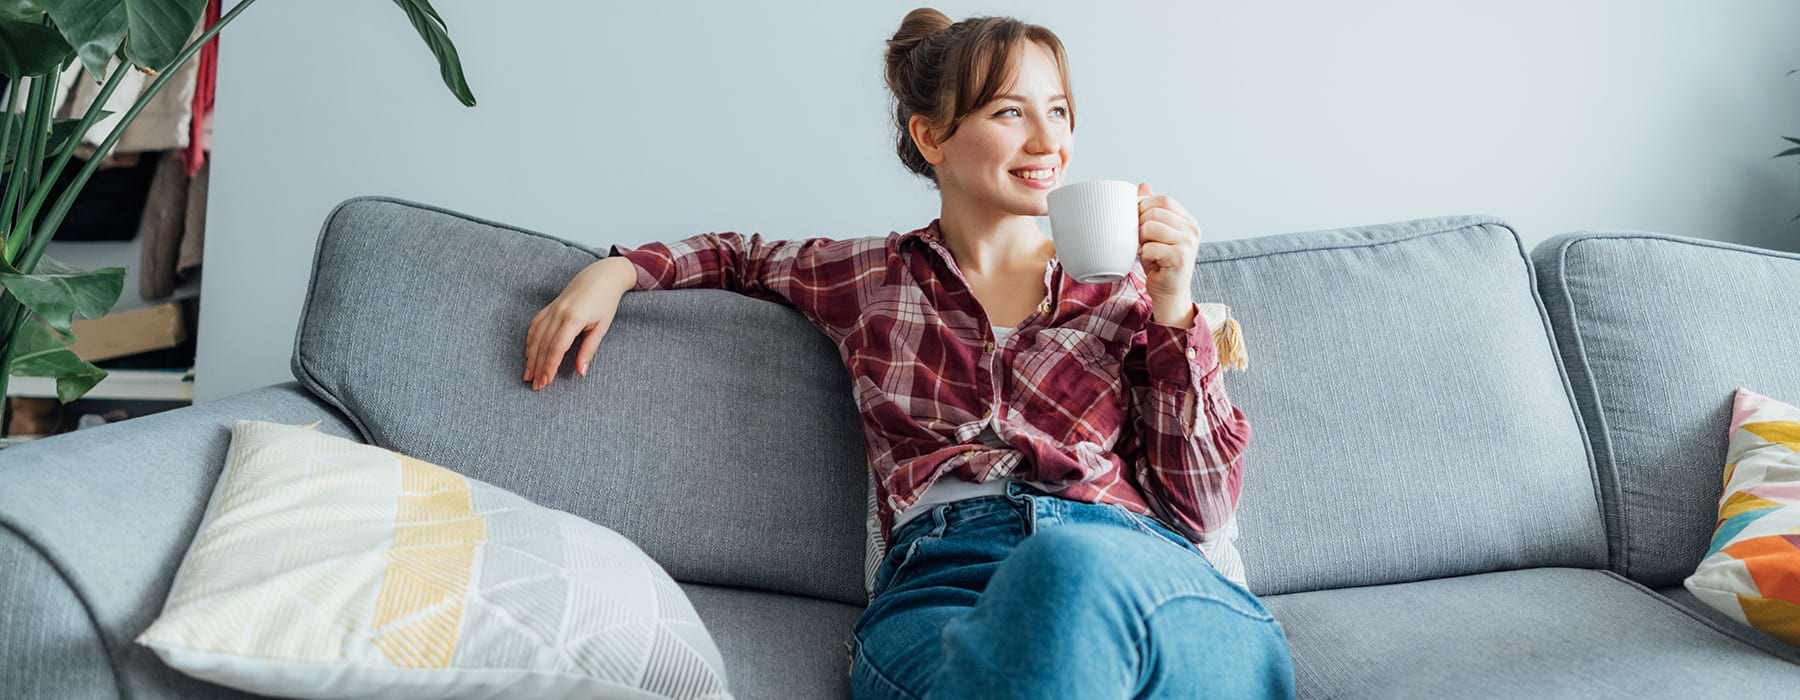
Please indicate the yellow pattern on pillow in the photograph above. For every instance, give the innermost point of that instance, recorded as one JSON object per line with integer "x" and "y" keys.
{"x": 435, "y": 536}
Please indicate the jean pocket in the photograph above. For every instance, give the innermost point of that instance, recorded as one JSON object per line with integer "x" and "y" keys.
{"x": 903, "y": 563}
{"x": 1149, "y": 527}
{"x": 893, "y": 564}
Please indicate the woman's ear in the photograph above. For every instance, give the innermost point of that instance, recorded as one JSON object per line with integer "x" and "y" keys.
{"x": 924, "y": 138}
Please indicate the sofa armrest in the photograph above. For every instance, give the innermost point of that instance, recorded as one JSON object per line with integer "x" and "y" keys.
{"x": 93, "y": 524}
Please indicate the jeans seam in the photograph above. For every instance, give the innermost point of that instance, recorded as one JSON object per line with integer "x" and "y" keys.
{"x": 862, "y": 659}
{"x": 1137, "y": 522}
{"x": 1190, "y": 549}
{"x": 1273, "y": 625}
{"x": 1249, "y": 613}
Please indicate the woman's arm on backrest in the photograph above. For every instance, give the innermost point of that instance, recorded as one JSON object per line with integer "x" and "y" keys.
{"x": 816, "y": 276}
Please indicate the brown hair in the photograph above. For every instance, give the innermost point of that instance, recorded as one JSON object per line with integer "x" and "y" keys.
{"x": 932, "y": 66}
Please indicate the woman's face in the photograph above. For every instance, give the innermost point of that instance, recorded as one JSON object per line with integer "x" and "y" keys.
{"x": 1008, "y": 154}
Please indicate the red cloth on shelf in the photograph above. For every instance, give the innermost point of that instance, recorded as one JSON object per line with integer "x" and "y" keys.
{"x": 199, "y": 134}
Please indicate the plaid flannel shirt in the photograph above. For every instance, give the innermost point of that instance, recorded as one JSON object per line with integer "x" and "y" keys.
{"x": 1091, "y": 394}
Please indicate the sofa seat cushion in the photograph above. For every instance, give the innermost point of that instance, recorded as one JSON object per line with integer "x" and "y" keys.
{"x": 1538, "y": 633}
{"x": 778, "y": 645}
{"x": 1685, "y": 599}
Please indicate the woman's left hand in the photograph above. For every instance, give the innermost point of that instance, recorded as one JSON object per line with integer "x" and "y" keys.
{"x": 1168, "y": 239}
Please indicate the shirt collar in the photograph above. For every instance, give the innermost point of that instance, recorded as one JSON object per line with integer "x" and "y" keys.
{"x": 929, "y": 231}
{"x": 934, "y": 232}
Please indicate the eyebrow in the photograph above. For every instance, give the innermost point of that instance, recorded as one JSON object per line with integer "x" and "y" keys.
{"x": 1021, "y": 98}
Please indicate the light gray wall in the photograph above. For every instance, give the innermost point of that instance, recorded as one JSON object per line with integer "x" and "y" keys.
{"x": 627, "y": 122}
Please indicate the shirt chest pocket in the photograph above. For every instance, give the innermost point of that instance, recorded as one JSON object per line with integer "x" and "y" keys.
{"x": 1068, "y": 384}
{"x": 1089, "y": 348}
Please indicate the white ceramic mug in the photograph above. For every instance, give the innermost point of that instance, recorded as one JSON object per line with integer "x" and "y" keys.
{"x": 1095, "y": 227}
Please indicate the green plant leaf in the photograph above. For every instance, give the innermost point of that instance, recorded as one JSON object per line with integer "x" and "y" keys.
{"x": 155, "y": 30}
{"x": 1788, "y": 152}
{"x": 60, "y": 132}
{"x": 21, "y": 11}
{"x": 1791, "y": 139}
{"x": 431, "y": 28}
{"x": 429, "y": 10}
{"x": 56, "y": 292}
{"x": 39, "y": 351}
{"x": 29, "y": 48}
{"x": 94, "y": 27}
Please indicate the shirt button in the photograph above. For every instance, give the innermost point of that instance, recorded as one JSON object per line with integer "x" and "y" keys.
{"x": 1191, "y": 353}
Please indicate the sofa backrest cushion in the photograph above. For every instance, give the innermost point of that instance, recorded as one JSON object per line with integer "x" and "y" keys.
{"x": 714, "y": 431}
{"x": 1658, "y": 331}
{"x": 1410, "y": 419}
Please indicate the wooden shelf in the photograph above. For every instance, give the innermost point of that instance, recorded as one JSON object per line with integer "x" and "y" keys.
{"x": 129, "y": 384}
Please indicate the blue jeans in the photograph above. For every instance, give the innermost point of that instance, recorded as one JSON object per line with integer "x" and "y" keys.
{"x": 1029, "y": 595}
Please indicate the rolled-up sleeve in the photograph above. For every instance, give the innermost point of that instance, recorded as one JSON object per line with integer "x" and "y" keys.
{"x": 1192, "y": 437}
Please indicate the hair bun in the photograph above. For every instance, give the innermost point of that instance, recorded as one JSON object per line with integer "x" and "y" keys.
{"x": 918, "y": 26}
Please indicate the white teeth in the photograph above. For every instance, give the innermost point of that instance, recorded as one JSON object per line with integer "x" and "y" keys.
{"x": 1033, "y": 174}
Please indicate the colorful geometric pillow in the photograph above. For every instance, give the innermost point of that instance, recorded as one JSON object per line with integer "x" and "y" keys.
{"x": 325, "y": 568}
{"x": 1752, "y": 570}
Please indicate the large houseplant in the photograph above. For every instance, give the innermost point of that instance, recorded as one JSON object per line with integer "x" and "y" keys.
{"x": 1792, "y": 151}
{"x": 39, "y": 39}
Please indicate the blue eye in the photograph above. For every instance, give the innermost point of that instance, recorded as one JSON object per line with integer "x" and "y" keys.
{"x": 1064, "y": 110}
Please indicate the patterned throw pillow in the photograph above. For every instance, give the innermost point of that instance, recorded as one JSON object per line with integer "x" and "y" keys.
{"x": 325, "y": 568}
{"x": 1752, "y": 570}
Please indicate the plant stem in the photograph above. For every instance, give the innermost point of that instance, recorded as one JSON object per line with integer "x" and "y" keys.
{"x": 47, "y": 228}
{"x": 13, "y": 188}
{"x": 6, "y": 109}
{"x": 16, "y": 182}
{"x": 46, "y": 110}
{"x": 16, "y": 240}
{"x": 5, "y": 150}
{"x": 13, "y": 323}
{"x": 10, "y": 306}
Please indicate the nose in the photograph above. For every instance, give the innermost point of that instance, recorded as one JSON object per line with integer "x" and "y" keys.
{"x": 1046, "y": 137}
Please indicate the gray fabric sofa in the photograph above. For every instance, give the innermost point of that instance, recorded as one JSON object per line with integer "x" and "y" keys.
{"x": 1478, "y": 470}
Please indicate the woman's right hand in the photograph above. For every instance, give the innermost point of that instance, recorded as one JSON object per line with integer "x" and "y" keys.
{"x": 587, "y": 304}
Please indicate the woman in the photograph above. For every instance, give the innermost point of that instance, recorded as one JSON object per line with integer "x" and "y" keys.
{"x": 1056, "y": 464}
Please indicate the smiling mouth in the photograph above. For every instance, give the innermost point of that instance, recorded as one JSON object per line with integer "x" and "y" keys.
{"x": 1035, "y": 177}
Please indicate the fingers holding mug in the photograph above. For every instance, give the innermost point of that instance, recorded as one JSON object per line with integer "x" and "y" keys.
{"x": 1163, "y": 225}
